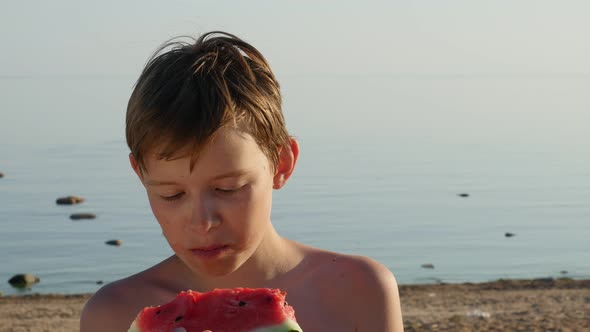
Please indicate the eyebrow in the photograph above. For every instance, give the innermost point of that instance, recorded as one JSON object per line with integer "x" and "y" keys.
{"x": 160, "y": 183}
{"x": 232, "y": 174}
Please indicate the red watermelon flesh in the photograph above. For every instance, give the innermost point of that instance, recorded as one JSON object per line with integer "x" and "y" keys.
{"x": 221, "y": 310}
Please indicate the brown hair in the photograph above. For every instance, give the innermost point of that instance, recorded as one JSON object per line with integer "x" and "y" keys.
{"x": 184, "y": 95}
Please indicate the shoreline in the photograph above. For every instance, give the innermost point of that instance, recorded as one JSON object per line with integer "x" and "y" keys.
{"x": 503, "y": 305}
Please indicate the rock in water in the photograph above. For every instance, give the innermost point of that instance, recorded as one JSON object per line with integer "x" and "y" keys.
{"x": 69, "y": 200}
{"x": 114, "y": 242}
{"x": 428, "y": 266}
{"x": 1, "y": 175}
{"x": 463, "y": 195}
{"x": 23, "y": 280}
{"x": 508, "y": 234}
{"x": 77, "y": 216}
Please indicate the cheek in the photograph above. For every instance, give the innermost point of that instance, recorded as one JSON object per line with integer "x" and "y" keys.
{"x": 250, "y": 215}
{"x": 165, "y": 215}
{"x": 158, "y": 210}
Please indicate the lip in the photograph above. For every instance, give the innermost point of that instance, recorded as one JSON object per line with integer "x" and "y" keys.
{"x": 210, "y": 251}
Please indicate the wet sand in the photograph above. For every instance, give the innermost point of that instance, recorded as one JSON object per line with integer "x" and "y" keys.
{"x": 511, "y": 305}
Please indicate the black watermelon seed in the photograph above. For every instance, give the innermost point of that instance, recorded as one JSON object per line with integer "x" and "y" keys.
{"x": 158, "y": 312}
{"x": 178, "y": 318}
{"x": 242, "y": 303}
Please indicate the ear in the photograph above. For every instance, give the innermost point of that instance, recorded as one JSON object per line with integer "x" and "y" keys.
{"x": 287, "y": 159}
{"x": 135, "y": 167}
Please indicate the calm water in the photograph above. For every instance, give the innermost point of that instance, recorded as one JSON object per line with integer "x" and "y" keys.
{"x": 382, "y": 162}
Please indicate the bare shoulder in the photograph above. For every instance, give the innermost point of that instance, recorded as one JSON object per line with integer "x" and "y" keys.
{"x": 115, "y": 305}
{"x": 363, "y": 289}
{"x": 108, "y": 309}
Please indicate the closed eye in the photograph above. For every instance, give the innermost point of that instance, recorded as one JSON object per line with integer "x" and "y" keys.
{"x": 173, "y": 198}
{"x": 226, "y": 191}
{"x": 232, "y": 191}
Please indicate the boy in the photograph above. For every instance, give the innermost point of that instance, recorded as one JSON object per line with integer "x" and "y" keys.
{"x": 208, "y": 142}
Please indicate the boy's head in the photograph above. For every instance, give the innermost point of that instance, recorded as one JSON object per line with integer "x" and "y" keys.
{"x": 187, "y": 93}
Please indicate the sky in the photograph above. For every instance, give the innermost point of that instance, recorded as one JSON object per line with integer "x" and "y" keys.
{"x": 501, "y": 37}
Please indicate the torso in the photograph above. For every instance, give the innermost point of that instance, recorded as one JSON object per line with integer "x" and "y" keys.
{"x": 314, "y": 289}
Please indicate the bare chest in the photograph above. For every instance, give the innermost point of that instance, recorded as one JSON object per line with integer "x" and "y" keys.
{"x": 315, "y": 319}
{"x": 317, "y": 313}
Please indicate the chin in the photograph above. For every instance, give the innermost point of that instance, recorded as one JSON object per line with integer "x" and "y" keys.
{"x": 213, "y": 269}
{"x": 217, "y": 272}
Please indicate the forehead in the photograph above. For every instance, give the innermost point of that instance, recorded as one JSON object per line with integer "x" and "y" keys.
{"x": 228, "y": 150}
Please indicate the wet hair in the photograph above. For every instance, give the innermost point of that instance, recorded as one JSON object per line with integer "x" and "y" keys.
{"x": 189, "y": 90}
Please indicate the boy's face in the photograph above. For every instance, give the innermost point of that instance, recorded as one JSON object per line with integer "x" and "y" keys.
{"x": 216, "y": 216}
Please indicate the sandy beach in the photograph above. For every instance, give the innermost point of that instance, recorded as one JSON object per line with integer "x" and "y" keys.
{"x": 505, "y": 305}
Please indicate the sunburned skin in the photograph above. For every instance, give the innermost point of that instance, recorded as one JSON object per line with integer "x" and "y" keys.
{"x": 220, "y": 230}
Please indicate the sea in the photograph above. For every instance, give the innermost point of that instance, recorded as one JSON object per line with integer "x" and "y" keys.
{"x": 406, "y": 169}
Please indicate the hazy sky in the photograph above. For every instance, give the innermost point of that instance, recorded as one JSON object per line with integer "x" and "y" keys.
{"x": 72, "y": 37}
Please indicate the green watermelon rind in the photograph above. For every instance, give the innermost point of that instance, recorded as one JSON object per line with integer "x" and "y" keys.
{"x": 288, "y": 326}
{"x": 133, "y": 328}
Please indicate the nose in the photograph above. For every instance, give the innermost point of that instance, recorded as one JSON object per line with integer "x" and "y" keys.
{"x": 205, "y": 216}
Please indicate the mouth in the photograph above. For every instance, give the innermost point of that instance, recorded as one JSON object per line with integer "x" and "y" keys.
{"x": 210, "y": 251}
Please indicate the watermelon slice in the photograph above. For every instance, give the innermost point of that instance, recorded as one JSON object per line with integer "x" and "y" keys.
{"x": 221, "y": 310}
